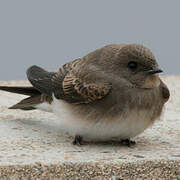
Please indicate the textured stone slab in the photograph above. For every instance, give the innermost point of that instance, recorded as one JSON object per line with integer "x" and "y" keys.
{"x": 31, "y": 144}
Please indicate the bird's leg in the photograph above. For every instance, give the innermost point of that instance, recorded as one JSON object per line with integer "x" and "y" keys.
{"x": 78, "y": 140}
{"x": 128, "y": 142}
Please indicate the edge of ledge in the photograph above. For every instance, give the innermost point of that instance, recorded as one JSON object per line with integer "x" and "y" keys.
{"x": 133, "y": 170}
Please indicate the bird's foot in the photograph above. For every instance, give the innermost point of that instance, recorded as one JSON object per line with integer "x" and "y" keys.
{"x": 78, "y": 140}
{"x": 128, "y": 142}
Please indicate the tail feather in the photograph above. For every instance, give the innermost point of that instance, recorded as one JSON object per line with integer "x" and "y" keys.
{"x": 31, "y": 91}
{"x": 28, "y": 103}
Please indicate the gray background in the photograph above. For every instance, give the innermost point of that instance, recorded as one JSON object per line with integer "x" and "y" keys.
{"x": 50, "y": 33}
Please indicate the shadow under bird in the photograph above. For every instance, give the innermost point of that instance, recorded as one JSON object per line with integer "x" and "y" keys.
{"x": 113, "y": 93}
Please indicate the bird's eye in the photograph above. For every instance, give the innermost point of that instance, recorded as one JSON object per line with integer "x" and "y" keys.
{"x": 132, "y": 65}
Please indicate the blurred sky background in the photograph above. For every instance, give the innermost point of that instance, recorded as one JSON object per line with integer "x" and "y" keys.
{"x": 50, "y": 33}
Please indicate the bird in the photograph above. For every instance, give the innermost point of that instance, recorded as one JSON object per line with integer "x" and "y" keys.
{"x": 112, "y": 93}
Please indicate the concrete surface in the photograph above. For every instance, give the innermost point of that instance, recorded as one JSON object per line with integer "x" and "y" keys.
{"x": 32, "y": 146}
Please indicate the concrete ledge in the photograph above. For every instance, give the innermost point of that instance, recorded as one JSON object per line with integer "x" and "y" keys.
{"x": 139, "y": 170}
{"x": 32, "y": 146}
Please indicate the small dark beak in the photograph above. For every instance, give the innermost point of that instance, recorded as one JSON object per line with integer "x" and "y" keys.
{"x": 154, "y": 70}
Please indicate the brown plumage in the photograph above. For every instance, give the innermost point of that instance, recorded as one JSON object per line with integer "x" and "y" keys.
{"x": 112, "y": 92}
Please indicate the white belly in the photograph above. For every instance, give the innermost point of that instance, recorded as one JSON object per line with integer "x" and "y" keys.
{"x": 44, "y": 107}
{"x": 121, "y": 127}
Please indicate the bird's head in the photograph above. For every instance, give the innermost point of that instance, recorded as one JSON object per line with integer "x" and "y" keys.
{"x": 138, "y": 65}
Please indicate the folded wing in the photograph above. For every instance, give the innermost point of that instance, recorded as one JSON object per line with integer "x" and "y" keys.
{"x": 67, "y": 85}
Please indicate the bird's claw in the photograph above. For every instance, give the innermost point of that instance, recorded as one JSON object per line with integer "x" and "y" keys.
{"x": 128, "y": 142}
{"x": 78, "y": 140}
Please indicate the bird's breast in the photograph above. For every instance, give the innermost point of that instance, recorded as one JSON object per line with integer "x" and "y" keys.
{"x": 105, "y": 127}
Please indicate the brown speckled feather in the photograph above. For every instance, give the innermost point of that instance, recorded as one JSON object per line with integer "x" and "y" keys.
{"x": 67, "y": 84}
{"x": 81, "y": 92}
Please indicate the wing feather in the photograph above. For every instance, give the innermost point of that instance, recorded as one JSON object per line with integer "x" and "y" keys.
{"x": 67, "y": 84}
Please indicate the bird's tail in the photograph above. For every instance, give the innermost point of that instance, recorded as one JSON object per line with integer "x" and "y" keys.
{"x": 30, "y": 91}
{"x": 27, "y": 103}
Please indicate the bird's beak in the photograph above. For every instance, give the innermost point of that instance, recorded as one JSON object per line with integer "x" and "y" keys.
{"x": 154, "y": 70}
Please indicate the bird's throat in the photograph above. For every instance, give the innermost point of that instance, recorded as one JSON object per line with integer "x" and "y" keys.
{"x": 152, "y": 81}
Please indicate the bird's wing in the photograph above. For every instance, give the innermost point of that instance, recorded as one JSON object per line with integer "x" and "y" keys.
{"x": 40, "y": 79}
{"x": 66, "y": 84}
{"x": 76, "y": 91}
